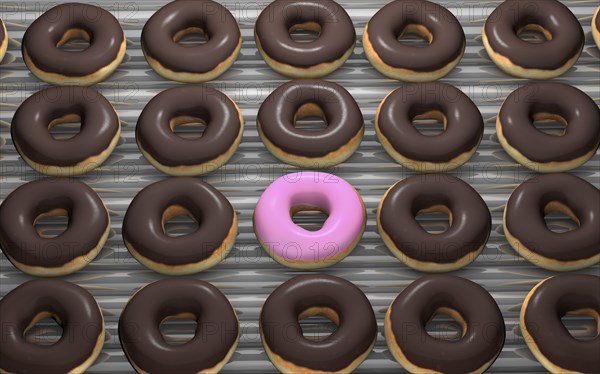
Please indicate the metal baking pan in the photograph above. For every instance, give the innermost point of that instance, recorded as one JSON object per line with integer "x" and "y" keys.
{"x": 248, "y": 275}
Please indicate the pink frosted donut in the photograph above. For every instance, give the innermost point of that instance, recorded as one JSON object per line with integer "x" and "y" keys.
{"x": 296, "y": 247}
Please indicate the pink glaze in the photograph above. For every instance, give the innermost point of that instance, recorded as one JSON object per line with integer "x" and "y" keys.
{"x": 289, "y": 242}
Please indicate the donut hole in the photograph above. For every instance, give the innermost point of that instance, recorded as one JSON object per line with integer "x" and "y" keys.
{"x": 305, "y": 32}
{"x": 310, "y": 218}
{"x": 191, "y": 37}
{"x": 534, "y": 34}
{"x": 74, "y": 40}
{"x": 310, "y": 117}
{"x": 178, "y": 221}
{"x": 179, "y": 329}
{"x": 583, "y": 324}
{"x": 44, "y": 329}
{"x": 65, "y": 127}
{"x": 430, "y": 123}
{"x": 559, "y": 218}
{"x": 52, "y": 223}
{"x": 318, "y": 323}
{"x": 446, "y": 324}
{"x": 187, "y": 127}
{"x": 414, "y": 35}
{"x": 550, "y": 123}
{"x": 436, "y": 219}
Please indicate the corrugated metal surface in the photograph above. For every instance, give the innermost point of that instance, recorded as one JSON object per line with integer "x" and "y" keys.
{"x": 248, "y": 275}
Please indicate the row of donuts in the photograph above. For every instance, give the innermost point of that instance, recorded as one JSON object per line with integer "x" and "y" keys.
{"x": 162, "y": 34}
{"x": 277, "y": 118}
{"x": 303, "y": 296}
{"x": 291, "y": 245}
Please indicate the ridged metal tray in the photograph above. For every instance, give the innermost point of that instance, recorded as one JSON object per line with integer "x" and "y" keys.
{"x": 248, "y": 275}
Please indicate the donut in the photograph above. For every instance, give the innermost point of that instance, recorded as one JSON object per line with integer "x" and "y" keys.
{"x": 191, "y": 63}
{"x": 308, "y": 295}
{"x": 3, "y": 40}
{"x": 292, "y": 245}
{"x": 409, "y": 63}
{"x": 458, "y": 246}
{"x": 71, "y": 307}
{"x": 44, "y": 37}
{"x": 213, "y": 344}
{"x": 463, "y": 127}
{"x": 543, "y": 152}
{"x": 596, "y": 27}
{"x": 174, "y": 155}
{"x": 314, "y": 59}
{"x": 98, "y": 136}
{"x": 73, "y": 249}
{"x": 546, "y": 335}
{"x": 467, "y": 303}
{"x": 300, "y": 98}
{"x": 526, "y": 230}
{"x": 144, "y": 234}
{"x": 519, "y": 58}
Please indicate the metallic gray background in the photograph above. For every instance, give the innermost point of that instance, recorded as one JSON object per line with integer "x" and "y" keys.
{"x": 248, "y": 275}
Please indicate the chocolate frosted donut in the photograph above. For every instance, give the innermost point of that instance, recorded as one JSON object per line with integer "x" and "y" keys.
{"x": 208, "y": 351}
{"x": 98, "y": 136}
{"x": 177, "y": 106}
{"x": 314, "y": 59}
{"x": 549, "y": 59}
{"x": 3, "y": 40}
{"x": 301, "y": 98}
{"x": 596, "y": 27}
{"x": 191, "y": 63}
{"x": 317, "y": 294}
{"x": 156, "y": 204}
{"x": 526, "y": 230}
{"x": 543, "y": 152}
{"x": 546, "y": 335}
{"x": 78, "y": 245}
{"x": 71, "y": 306}
{"x": 463, "y": 126}
{"x": 466, "y": 302}
{"x": 470, "y": 222}
{"x": 409, "y": 63}
{"x": 42, "y": 41}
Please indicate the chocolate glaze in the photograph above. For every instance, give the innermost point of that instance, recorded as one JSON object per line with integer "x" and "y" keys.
{"x": 73, "y": 308}
{"x": 567, "y": 35}
{"x": 276, "y": 117}
{"x": 214, "y": 19}
{"x": 418, "y": 303}
{"x": 42, "y": 36}
{"x": 282, "y": 333}
{"x": 222, "y": 118}
{"x": 471, "y": 219}
{"x": 524, "y": 216}
{"x": 551, "y": 300}
{"x": 272, "y": 31}
{"x": 143, "y": 229}
{"x": 88, "y": 220}
{"x": 3, "y": 35}
{"x": 139, "y": 326}
{"x": 447, "y": 44}
{"x": 464, "y": 124}
{"x": 29, "y": 128}
{"x": 582, "y": 133}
